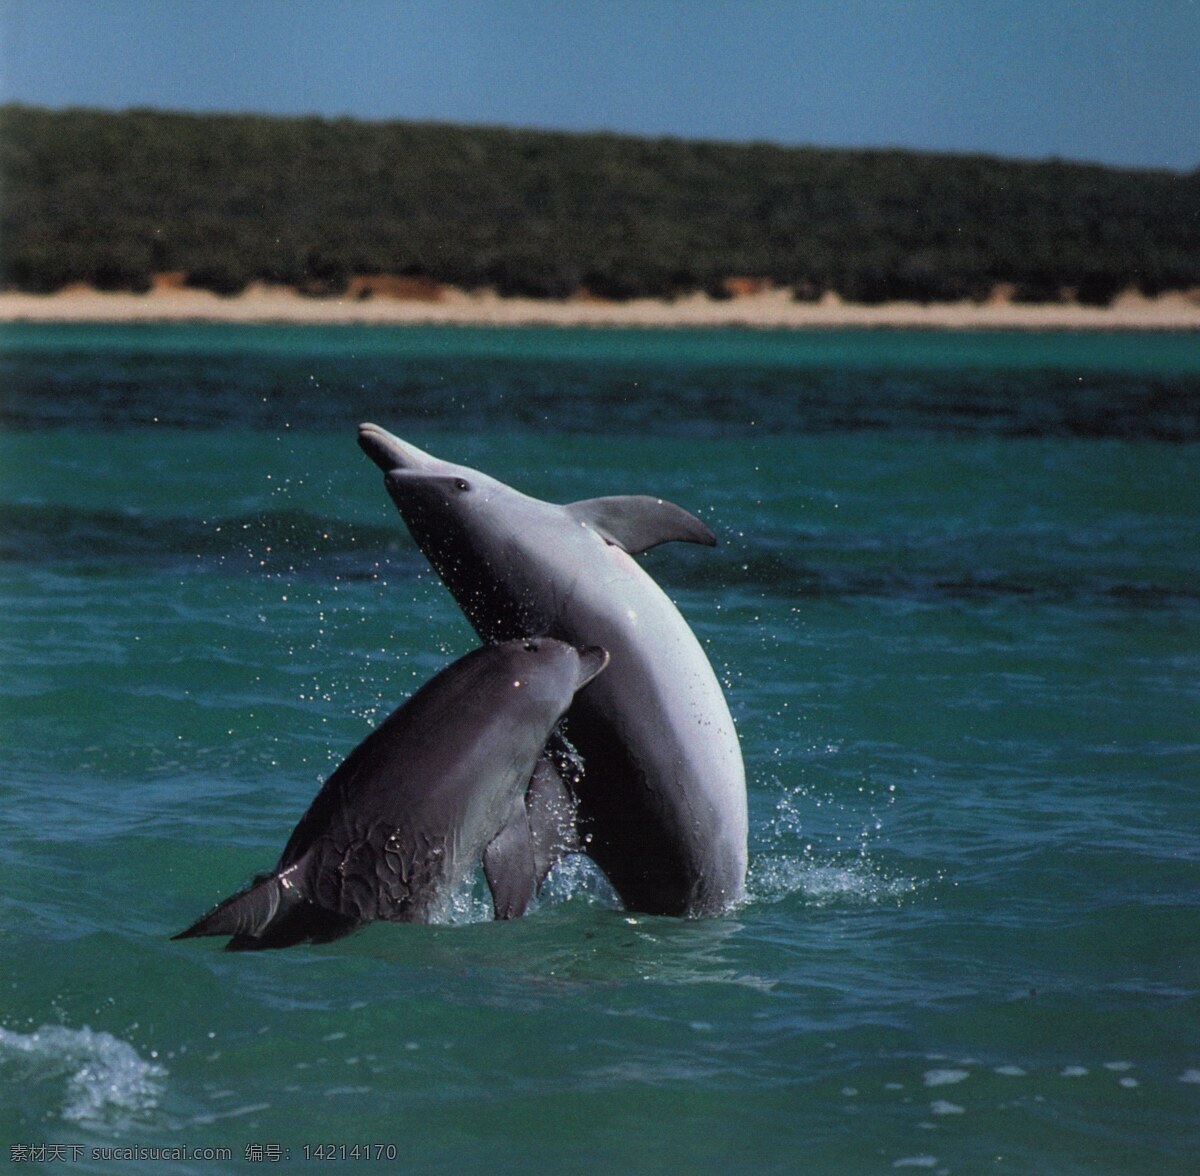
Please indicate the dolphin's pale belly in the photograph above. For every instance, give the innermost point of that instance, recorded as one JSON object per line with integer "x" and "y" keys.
{"x": 664, "y": 772}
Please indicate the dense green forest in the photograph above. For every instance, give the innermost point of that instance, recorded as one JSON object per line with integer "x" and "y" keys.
{"x": 113, "y": 198}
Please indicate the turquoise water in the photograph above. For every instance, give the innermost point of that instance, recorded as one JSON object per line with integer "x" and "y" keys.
{"x": 956, "y": 607}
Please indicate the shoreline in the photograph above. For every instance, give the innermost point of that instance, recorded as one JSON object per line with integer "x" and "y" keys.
{"x": 771, "y": 309}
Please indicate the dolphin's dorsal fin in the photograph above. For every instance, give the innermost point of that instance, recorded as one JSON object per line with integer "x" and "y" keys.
{"x": 508, "y": 865}
{"x": 637, "y": 522}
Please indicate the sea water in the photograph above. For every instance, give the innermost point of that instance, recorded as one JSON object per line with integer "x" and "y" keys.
{"x": 956, "y": 610}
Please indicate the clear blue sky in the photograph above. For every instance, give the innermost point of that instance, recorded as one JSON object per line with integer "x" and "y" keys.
{"x": 1115, "y": 81}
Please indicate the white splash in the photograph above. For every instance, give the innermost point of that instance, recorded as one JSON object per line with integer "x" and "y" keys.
{"x": 945, "y": 1077}
{"x": 108, "y": 1082}
{"x": 942, "y": 1107}
{"x": 773, "y": 878}
{"x": 578, "y": 877}
{"x": 840, "y": 872}
{"x": 469, "y": 903}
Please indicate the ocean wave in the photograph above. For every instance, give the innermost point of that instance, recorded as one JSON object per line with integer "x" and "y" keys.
{"x": 108, "y": 1085}
{"x": 837, "y": 571}
{"x": 268, "y": 542}
{"x": 592, "y": 395}
{"x": 301, "y": 543}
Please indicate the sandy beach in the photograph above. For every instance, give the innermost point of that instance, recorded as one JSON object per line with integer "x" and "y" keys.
{"x": 768, "y": 309}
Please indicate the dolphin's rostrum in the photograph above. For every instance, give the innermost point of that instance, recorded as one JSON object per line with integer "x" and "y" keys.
{"x": 403, "y": 823}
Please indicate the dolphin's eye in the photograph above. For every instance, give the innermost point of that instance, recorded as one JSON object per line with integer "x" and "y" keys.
{"x": 461, "y": 484}
{"x": 531, "y": 647}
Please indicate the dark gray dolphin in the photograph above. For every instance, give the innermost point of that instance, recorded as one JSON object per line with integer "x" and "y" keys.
{"x": 662, "y": 799}
{"x": 403, "y": 823}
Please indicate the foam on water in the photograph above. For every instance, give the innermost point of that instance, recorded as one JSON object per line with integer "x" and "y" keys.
{"x": 774, "y": 877}
{"x": 941, "y": 1107}
{"x": 578, "y": 877}
{"x": 792, "y": 864}
{"x": 945, "y": 1077}
{"x": 108, "y": 1084}
{"x": 469, "y": 903}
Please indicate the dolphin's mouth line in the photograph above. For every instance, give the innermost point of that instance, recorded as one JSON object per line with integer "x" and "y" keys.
{"x": 385, "y": 450}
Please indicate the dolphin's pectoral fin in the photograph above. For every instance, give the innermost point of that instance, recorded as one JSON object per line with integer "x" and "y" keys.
{"x": 271, "y": 912}
{"x": 550, "y": 808}
{"x": 249, "y": 912}
{"x": 508, "y": 865}
{"x": 638, "y": 522}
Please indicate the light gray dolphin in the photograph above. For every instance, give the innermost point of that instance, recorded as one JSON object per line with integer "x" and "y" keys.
{"x": 403, "y": 823}
{"x": 662, "y": 798}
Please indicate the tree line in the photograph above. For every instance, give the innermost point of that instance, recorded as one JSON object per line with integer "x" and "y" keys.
{"x": 112, "y": 199}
